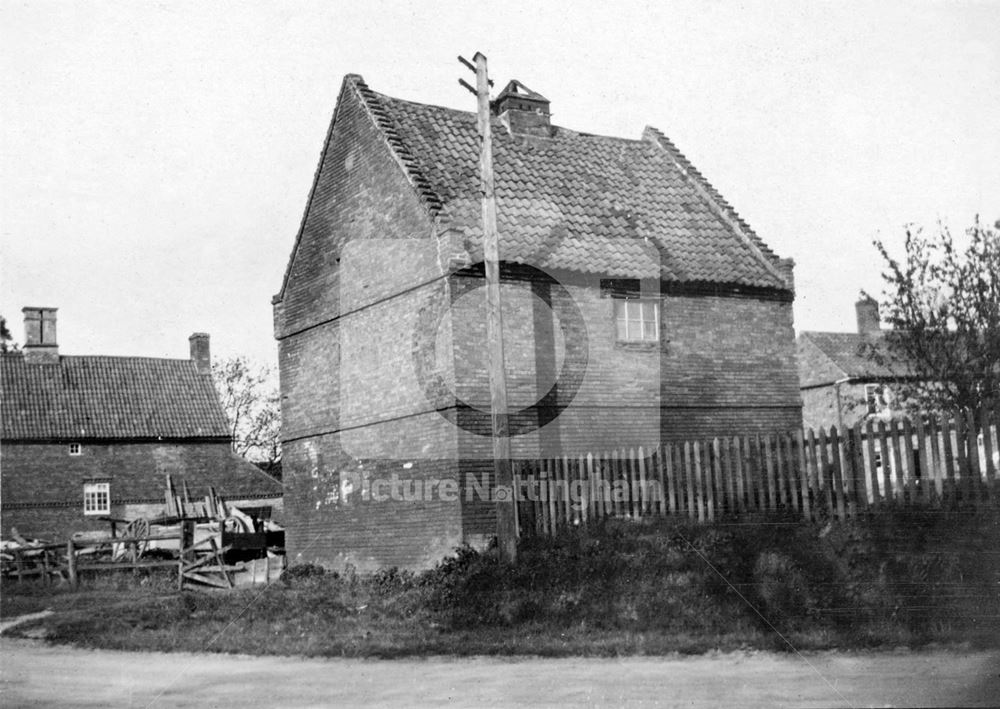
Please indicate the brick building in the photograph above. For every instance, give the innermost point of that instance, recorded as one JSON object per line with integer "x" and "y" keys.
{"x": 88, "y": 437}
{"x": 841, "y": 384}
{"x": 637, "y": 306}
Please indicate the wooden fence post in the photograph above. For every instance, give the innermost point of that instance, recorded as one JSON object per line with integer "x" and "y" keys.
{"x": 738, "y": 475}
{"x": 780, "y": 471}
{"x": 858, "y": 497}
{"x": 836, "y": 471}
{"x": 882, "y": 470}
{"x": 961, "y": 441}
{"x": 910, "y": 474}
{"x": 898, "y": 479}
{"x": 515, "y": 497}
{"x": 813, "y": 465}
{"x": 660, "y": 450}
{"x": 923, "y": 464}
{"x": 694, "y": 466}
{"x": 759, "y": 473}
{"x": 552, "y": 468}
{"x": 988, "y": 450}
{"x": 688, "y": 476}
{"x": 727, "y": 472}
{"x": 825, "y": 470}
{"x": 71, "y": 564}
{"x": 948, "y": 457}
{"x": 770, "y": 497}
{"x": 603, "y": 486}
{"x": 567, "y": 476}
{"x": 803, "y": 481}
{"x": 711, "y": 478}
{"x": 186, "y": 541}
{"x": 672, "y": 472}
{"x": 975, "y": 473}
{"x": 644, "y": 491}
{"x": 591, "y": 489}
{"x": 871, "y": 471}
{"x": 542, "y": 503}
{"x": 935, "y": 457}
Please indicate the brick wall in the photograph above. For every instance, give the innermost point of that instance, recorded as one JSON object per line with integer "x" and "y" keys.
{"x": 353, "y": 398}
{"x": 342, "y": 510}
{"x": 361, "y": 194}
{"x": 724, "y": 366}
{"x": 42, "y": 485}
{"x": 375, "y": 342}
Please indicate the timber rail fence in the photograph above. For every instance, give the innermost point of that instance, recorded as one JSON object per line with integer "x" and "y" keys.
{"x": 198, "y": 563}
{"x": 928, "y": 463}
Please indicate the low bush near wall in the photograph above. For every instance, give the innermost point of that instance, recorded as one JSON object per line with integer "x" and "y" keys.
{"x": 909, "y": 574}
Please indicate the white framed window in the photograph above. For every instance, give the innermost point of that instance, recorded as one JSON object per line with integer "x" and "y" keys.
{"x": 96, "y": 498}
{"x": 637, "y": 319}
{"x": 75, "y": 449}
{"x": 871, "y": 398}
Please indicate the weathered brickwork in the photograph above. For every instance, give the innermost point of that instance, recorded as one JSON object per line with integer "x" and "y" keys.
{"x": 383, "y": 367}
{"x": 724, "y": 366}
{"x": 342, "y": 510}
{"x": 361, "y": 194}
{"x": 42, "y": 485}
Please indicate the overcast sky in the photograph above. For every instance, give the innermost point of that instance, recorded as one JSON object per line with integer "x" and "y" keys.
{"x": 156, "y": 157}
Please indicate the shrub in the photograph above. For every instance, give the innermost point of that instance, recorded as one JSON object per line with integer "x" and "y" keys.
{"x": 304, "y": 572}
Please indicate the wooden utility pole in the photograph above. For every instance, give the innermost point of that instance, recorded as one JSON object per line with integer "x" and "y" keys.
{"x": 502, "y": 470}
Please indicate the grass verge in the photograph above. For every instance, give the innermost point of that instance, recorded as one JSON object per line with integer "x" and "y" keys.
{"x": 767, "y": 583}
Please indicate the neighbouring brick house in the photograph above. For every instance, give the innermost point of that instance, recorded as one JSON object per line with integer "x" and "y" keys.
{"x": 841, "y": 384}
{"x": 88, "y": 437}
{"x": 638, "y": 307}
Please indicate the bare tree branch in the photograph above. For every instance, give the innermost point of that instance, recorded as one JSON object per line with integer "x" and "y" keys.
{"x": 252, "y": 408}
{"x": 942, "y": 300}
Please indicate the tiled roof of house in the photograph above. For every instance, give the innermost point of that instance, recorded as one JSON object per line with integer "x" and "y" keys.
{"x": 108, "y": 398}
{"x": 845, "y": 356}
{"x": 586, "y": 203}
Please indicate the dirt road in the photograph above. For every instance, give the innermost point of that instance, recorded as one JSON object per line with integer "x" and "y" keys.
{"x": 33, "y": 674}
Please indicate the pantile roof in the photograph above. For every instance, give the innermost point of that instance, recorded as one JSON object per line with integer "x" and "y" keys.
{"x": 847, "y": 352}
{"x": 586, "y": 203}
{"x": 97, "y": 397}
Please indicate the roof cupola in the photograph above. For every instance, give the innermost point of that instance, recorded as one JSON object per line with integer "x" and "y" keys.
{"x": 523, "y": 111}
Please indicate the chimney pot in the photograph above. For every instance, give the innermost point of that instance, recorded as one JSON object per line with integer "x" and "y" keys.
{"x": 200, "y": 352}
{"x": 868, "y": 318}
{"x": 787, "y": 268}
{"x": 40, "y": 343}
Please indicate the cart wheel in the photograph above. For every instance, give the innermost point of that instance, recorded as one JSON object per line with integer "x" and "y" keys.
{"x": 138, "y": 527}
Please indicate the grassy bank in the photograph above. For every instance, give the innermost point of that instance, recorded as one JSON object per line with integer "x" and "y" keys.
{"x": 769, "y": 583}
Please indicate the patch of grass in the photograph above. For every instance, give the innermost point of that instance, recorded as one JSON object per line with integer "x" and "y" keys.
{"x": 772, "y": 583}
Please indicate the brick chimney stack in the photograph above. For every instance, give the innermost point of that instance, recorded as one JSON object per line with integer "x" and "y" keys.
{"x": 200, "y": 353}
{"x": 523, "y": 111}
{"x": 40, "y": 344}
{"x": 869, "y": 323}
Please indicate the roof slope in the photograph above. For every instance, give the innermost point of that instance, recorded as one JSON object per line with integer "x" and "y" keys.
{"x": 585, "y": 203}
{"x": 108, "y": 398}
{"x": 843, "y": 350}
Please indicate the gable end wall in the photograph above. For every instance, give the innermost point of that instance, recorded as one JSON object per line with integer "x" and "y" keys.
{"x": 362, "y": 196}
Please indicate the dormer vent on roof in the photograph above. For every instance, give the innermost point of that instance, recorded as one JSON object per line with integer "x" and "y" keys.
{"x": 523, "y": 111}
